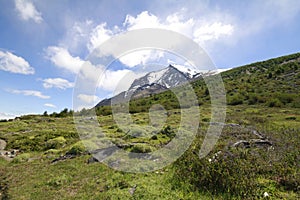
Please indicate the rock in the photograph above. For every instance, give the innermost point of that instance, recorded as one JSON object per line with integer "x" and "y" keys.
{"x": 2, "y": 144}
{"x": 242, "y": 143}
{"x": 266, "y": 194}
{"x": 14, "y": 152}
{"x": 101, "y": 154}
{"x": 132, "y": 190}
{"x": 64, "y": 157}
{"x": 92, "y": 160}
{"x": 252, "y": 142}
{"x": 258, "y": 134}
{"x": 260, "y": 142}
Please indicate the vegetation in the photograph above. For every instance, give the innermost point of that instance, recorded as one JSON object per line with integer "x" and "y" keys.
{"x": 263, "y": 105}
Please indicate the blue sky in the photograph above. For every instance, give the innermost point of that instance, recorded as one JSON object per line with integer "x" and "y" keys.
{"x": 44, "y": 43}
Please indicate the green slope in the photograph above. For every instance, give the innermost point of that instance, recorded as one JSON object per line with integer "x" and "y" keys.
{"x": 263, "y": 97}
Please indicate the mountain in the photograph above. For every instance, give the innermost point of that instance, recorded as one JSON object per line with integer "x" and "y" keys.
{"x": 155, "y": 82}
{"x": 273, "y": 83}
{"x": 167, "y": 78}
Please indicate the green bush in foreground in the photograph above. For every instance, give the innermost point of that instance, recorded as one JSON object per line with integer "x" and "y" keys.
{"x": 228, "y": 176}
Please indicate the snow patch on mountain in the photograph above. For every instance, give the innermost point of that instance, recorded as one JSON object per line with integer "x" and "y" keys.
{"x": 155, "y": 76}
{"x": 189, "y": 71}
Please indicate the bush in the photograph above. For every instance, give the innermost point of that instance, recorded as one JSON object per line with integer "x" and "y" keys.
{"x": 274, "y": 103}
{"x": 168, "y": 131}
{"x": 141, "y": 148}
{"x": 233, "y": 176}
{"x": 55, "y": 143}
{"x": 252, "y": 99}
{"x": 77, "y": 149}
{"x": 235, "y": 100}
{"x": 24, "y": 157}
{"x": 285, "y": 98}
{"x": 137, "y": 132}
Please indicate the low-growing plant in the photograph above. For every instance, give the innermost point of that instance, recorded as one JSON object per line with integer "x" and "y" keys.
{"x": 55, "y": 143}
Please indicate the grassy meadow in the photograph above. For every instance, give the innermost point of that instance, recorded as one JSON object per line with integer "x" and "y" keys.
{"x": 256, "y": 157}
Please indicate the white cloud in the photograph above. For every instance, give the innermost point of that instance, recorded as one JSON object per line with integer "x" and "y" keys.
{"x": 106, "y": 79}
{"x": 99, "y": 34}
{"x": 200, "y": 30}
{"x": 27, "y": 11}
{"x": 195, "y": 29}
{"x": 142, "y": 20}
{"x": 77, "y": 37}
{"x": 212, "y": 31}
{"x": 112, "y": 80}
{"x": 49, "y": 105}
{"x": 14, "y": 64}
{"x": 30, "y": 93}
{"x": 63, "y": 59}
{"x": 88, "y": 98}
{"x": 6, "y": 116}
{"x": 140, "y": 57}
{"x": 57, "y": 83}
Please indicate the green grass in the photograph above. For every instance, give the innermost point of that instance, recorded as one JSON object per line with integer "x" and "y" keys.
{"x": 262, "y": 96}
{"x": 32, "y": 176}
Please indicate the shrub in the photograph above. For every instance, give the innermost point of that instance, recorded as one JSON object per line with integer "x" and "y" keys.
{"x": 77, "y": 149}
{"x": 235, "y": 99}
{"x": 24, "y": 157}
{"x": 58, "y": 180}
{"x": 285, "y": 98}
{"x": 233, "y": 176}
{"x": 252, "y": 99}
{"x": 154, "y": 137}
{"x": 55, "y": 143}
{"x": 137, "y": 132}
{"x": 168, "y": 131}
{"x": 274, "y": 103}
{"x": 291, "y": 118}
{"x": 141, "y": 148}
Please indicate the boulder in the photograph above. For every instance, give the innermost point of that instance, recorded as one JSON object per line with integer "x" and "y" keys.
{"x": 2, "y": 144}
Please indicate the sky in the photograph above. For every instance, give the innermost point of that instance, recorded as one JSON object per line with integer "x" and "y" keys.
{"x": 44, "y": 44}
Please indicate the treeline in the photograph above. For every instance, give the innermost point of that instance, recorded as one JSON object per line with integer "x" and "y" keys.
{"x": 64, "y": 113}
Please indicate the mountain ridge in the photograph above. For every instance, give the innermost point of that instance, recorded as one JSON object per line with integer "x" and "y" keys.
{"x": 152, "y": 83}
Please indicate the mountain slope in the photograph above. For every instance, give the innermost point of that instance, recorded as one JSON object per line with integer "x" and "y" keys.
{"x": 274, "y": 82}
{"x": 152, "y": 83}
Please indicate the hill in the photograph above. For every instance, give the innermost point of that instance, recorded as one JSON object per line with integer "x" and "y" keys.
{"x": 273, "y": 83}
{"x": 256, "y": 157}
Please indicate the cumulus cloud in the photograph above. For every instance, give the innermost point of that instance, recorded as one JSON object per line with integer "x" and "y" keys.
{"x": 110, "y": 79}
{"x": 142, "y": 20}
{"x": 57, "y": 83}
{"x": 200, "y": 31}
{"x": 89, "y": 99}
{"x": 212, "y": 31}
{"x": 98, "y": 35}
{"x": 77, "y": 37}
{"x": 140, "y": 57}
{"x": 50, "y": 105}
{"x": 195, "y": 29}
{"x": 14, "y": 64}
{"x": 98, "y": 77}
{"x": 6, "y": 116}
{"x": 27, "y": 11}
{"x": 30, "y": 93}
{"x": 63, "y": 59}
